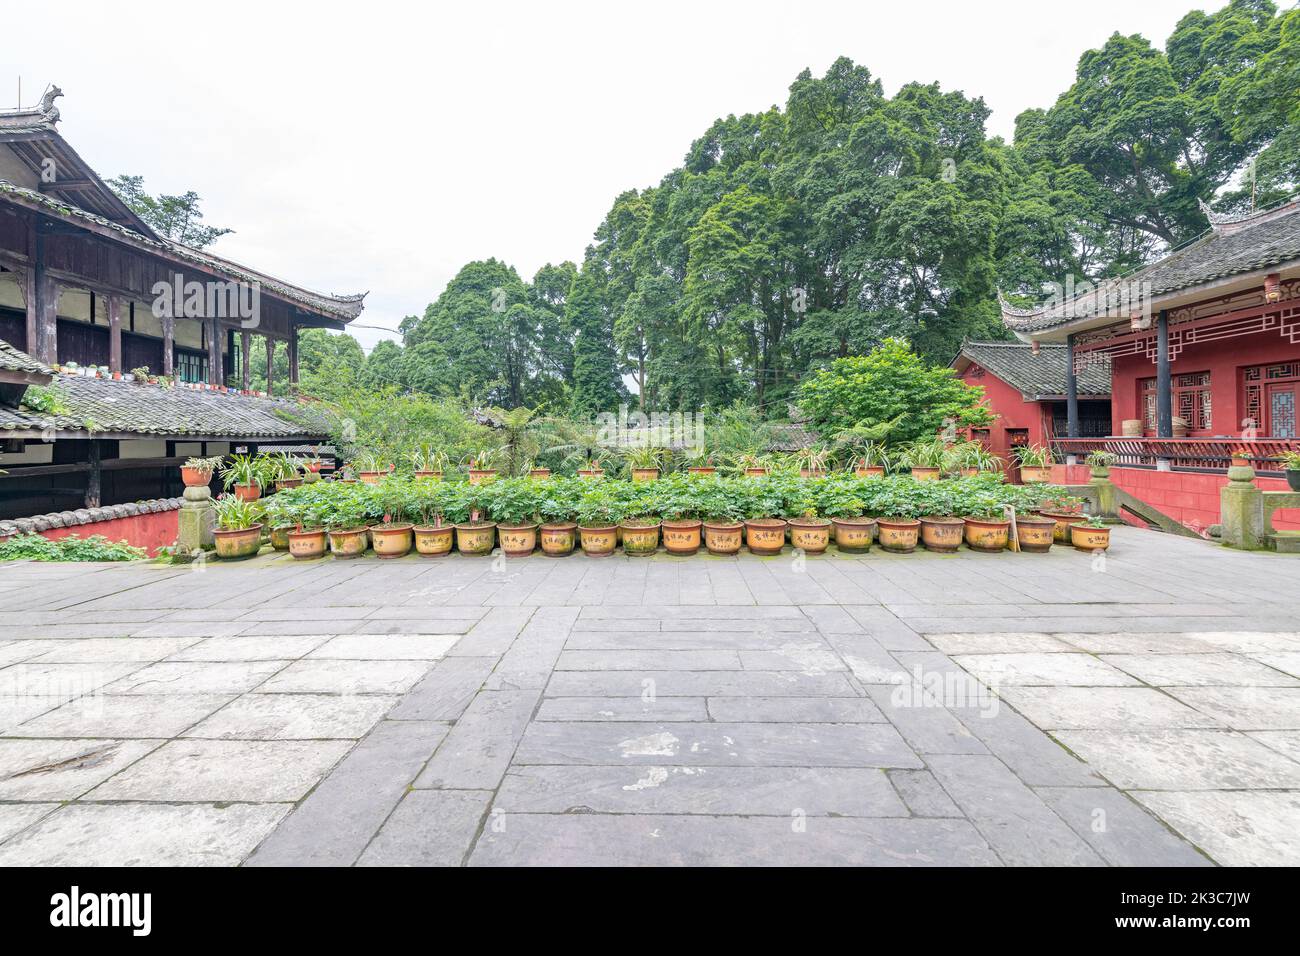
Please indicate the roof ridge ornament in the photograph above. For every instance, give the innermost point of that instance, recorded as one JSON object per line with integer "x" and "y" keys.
{"x": 1225, "y": 223}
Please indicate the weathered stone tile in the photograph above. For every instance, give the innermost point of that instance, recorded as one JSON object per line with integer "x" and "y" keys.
{"x": 446, "y": 690}
{"x": 278, "y": 648}
{"x": 1251, "y": 642}
{"x": 1010, "y": 642}
{"x": 147, "y": 834}
{"x": 294, "y": 717}
{"x": 63, "y": 769}
{"x": 925, "y": 722}
{"x": 217, "y": 771}
{"x": 1017, "y": 824}
{"x": 1286, "y": 661}
{"x": 429, "y": 828}
{"x": 686, "y": 840}
{"x": 60, "y": 680}
{"x": 476, "y": 752}
{"x": 309, "y": 628}
{"x": 808, "y": 710}
{"x": 11, "y": 652}
{"x": 698, "y": 684}
{"x": 922, "y": 793}
{"x": 493, "y": 635}
{"x": 1103, "y": 708}
{"x": 622, "y": 709}
{"x": 665, "y": 660}
{"x": 1118, "y": 829}
{"x": 16, "y": 710}
{"x": 770, "y": 791}
{"x": 612, "y": 638}
{"x": 1032, "y": 755}
{"x": 234, "y": 677}
{"x": 1246, "y": 708}
{"x": 531, "y": 658}
{"x": 1283, "y": 741}
{"x": 16, "y": 817}
{"x": 1128, "y": 642}
{"x": 715, "y": 744}
{"x": 1234, "y": 828}
{"x": 807, "y": 657}
{"x": 346, "y": 677}
{"x": 1182, "y": 760}
{"x": 336, "y": 821}
{"x": 1081, "y": 670}
{"x": 385, "y": 647}
{"x": 193, "y": 629}
{"x": 113, "y": 650}
{"x": 123, "y": 715}
{"x": 1200, "y": 670}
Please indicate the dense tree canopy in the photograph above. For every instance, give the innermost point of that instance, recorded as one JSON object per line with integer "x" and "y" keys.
{"x": 797, "y": 237}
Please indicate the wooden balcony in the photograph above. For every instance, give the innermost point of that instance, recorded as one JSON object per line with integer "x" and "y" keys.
{"x": 1199, "y": 454}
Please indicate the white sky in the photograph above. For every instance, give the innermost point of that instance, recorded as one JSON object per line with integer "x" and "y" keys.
{"x": 383, "y": 145}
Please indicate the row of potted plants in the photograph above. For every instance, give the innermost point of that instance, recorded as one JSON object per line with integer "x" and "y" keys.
{"x": 248, "y": 477}
{"x": 397, "y": 514}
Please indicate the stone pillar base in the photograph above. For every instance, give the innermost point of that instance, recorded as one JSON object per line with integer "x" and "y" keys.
{"x": 1241, "y": 510}
{"x": 195, "y": 522}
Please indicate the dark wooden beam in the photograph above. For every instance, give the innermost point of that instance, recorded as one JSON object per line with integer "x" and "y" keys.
{"x": 215, "y": 376}
{"x": 60, "y": 185}
{"x": 245, "y": 343}
{"x": 270, "y": 361}
{"x": 293, "y": 358}
{"x": 169, "y": 346}
{"x": 1164, "y": 380}
{"x": 114, "y": 333}
{"x": 1071, "y": 390}
{"x": 94, "y": 480}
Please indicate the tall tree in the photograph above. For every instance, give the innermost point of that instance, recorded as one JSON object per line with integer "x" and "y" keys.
{"x": 175, "y": 217}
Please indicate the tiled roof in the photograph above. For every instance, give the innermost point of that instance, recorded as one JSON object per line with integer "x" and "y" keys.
{"x": 12, "y": 360}
{"x": 1234, "y": 246}
{"x": 1033, "y": 375}
{"x": 793, "y": 437}
{"x": 127, "y": 407}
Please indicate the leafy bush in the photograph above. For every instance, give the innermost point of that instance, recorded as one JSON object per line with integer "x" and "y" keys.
{"x": 34, "y": 547}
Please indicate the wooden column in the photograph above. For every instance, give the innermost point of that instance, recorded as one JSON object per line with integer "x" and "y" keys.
{"x": 1164, "y": 381}
{"x": 1071, "y": 391}
{"x": 245, "y": 343}
{"x": 169, "y": 349}
{"x": 114, "y": 333}
{"x": 31, "y": 292}
{"x": 215, "y": 376}
{"x": 270, "y": 361}
{"x": 94, "y": 476}
{"x": 49, "y": 320}
{"x": 293, "y": 357}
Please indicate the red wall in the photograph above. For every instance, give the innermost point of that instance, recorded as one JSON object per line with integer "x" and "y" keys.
{"x": 152, "y": 531}
{"x": 1189, "y": 498}
{"x": 1013, "y": 411}
{"x": 1223, "y": 360}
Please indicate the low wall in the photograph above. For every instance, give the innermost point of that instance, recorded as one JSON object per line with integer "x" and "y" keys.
{"x": 1190, "y": 498}
{"x": 144, "y": 524}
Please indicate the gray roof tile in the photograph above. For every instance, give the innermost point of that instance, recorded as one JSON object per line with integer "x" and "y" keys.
{"x": 1041, "y": 374}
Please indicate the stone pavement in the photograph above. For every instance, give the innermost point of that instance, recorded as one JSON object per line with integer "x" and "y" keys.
{"x": 923, "y": 709}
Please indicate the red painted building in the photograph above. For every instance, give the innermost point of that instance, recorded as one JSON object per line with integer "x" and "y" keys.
{"x": 1204, "y": 351}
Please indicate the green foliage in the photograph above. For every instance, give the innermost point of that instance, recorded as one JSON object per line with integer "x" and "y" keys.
{"x": 34, "y": 547}
{"x": 1032, "y": 456}
{"x": 233, "y": 514}
{"x": 49, "y": 399}
{"x": 247, "y": 470}
{"x": 175, "y": 217}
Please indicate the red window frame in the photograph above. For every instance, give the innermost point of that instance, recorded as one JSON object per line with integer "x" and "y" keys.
{"x": 1192, "y": 401}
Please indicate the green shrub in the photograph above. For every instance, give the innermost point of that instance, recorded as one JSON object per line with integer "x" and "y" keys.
{"x": 34, "y": 547}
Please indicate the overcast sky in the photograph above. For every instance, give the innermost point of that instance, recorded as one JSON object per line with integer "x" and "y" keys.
{"x": 381, "y": 145}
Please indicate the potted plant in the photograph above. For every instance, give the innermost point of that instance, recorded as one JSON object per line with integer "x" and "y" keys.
{"x": 853, "y": 531}
{"x": 433, "y": 535}
{"x": 754, "y": 466}
{"x": 392, "y": 537}
{"x": 1035, "y": 463}
{"x": 680, "y": 506}
{"x": 311, "y": 466}
{"x": 283, "y": 470}
{"x": 1291, "y": 465}
{"x": 644, "y": 463}
{"x": 344, "y": 517}
{"x": 898, "y": 528}
{"x": 593, "y": 470}
{"x": 427, "y": 461}
{"x": 513, "y": 504}
{"x": 639, "y": 523}
{"x": 370, "y": 467}
{"x": 941, "y": 529}
{"x": 925, "y": 457}
{"x": 245, "y": 475}
{"x": 278, "y": 514}
{"x": 812, "y": 461}
{"x": 987, "y": 526}
{"x": 558, "y": 508}
{"x": 1240, "y": 458}
{"x": 1034, "y": 532}
{"x": 479, "y": 465}
{"x": 197, "y": 472}
{"x": 698, "y": 461}
{"x": 1099, "y": 463}
{"x": 808, "y": 530}
{"x": 764, "y": 529}
{"x": 1065, "y": 510}
{"x": 474, "y": 534}
{"x": 238, "y": 531}
{"x": 723, "y": 507}
{"x": 972, "y": 458}
{"x": 303, "y": 529}
{"x": 598, "y": 515}
{"x": 1091, "y": 534}
{"x": 535, "y": 471}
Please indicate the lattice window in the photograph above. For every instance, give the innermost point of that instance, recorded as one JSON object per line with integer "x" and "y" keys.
{"x": 1192, "y": 401}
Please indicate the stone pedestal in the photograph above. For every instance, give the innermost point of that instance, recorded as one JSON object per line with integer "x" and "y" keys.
{"x": 195, "y": 522}
{"x": 1241, "y": 509}
{"x": 1107, "y": 495}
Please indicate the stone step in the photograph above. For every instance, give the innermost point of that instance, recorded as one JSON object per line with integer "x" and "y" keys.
{"x": 1285, "y": 542}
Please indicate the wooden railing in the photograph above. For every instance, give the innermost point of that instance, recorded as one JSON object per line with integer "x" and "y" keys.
{"x": 1182, "y": 452}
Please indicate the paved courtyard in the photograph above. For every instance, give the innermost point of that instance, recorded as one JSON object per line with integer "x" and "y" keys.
{"x": 916, "y": 710}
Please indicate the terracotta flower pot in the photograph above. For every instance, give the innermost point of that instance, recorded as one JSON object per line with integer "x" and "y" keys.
{"x": 898, "y": 535}
{"x": 429, "y": 474}
{"x": 282, "y": 483}
{"x": 811, "y": 472}
{"x": 280, "y": 537}
{"x": 986, "y": 534}
{"x": 941, "y": 534}
{"x": 348, "y": 542}
{"x": 478, "y": 476}
{"x": 243, "y": 543}
{"x": 391, "y": 540}
{"x": 540, "y": 473}
{"x": 755, "y": 472}
{"x": 681, "y": 537}
{"x": 1239, "y": 461}
{"x": 925, "y": 474}
{"x": 598, "y": 541}
{"x": 640, "y": 539}
{"x": 765, "y": 535}
{"x": 195, "y": 478}
{"x": 475, "y": 537}
{"x": 558, "y": 539}
{"x": 370, "y": 477}
{"x": 969, "y": 472}
{"x": 248, "y": 492}
{"x": 869, "y": 471}
{"x": 1036, "y": 534}
{"x": 309, "y": 543}
{"x": 701, "y": 470}
{"x": 645, "y": 474}
{"x": 811, "y": 535}
{"x": 723, "y": 538}
{"x": 432, "y": 541}
{"x": 518, "y": 540}
{"x": 1063, "y": 519}
{"x": 854, "y": 535}
{"x": 1030, "y": 475}
{"x": 1089, "y": 539}
{"x": 591, "y": 473}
